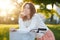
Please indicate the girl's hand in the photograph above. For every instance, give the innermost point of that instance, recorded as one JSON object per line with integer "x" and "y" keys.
{"x": 32, "y": 31}
{"x": 13, "y": 29}
{"x": 22, "y": 14}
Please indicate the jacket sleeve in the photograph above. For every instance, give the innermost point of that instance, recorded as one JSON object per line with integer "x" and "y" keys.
{"x": 41, "y": 25}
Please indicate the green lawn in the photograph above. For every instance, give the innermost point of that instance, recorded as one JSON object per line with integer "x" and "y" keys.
{"x": 4, "y": 30}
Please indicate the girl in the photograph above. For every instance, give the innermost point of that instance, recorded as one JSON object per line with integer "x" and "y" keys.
{"x": 29, "y": 20}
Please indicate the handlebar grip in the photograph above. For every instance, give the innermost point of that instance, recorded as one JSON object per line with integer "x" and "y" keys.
{"x": 42, "y": 29}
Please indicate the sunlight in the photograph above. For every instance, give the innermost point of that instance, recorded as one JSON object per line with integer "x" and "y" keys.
{"x": 3, "y": 5}
{"x": 6, "y": 6}
{"x": 19, "y": 1}
{"x": 12, "y": 18}
{"x": 54, "y": 7}
{"x": 37, "y": 6}
{"x": 10, "y": 8}
{"x": 49, "y": 6}
{"x": 3, "y": 13}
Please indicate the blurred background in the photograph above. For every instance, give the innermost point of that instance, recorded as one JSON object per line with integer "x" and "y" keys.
{"x": 49, "y": 11}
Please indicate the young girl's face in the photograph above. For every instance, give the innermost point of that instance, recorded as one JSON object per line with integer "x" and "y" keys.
{"x": 26, "y": 9}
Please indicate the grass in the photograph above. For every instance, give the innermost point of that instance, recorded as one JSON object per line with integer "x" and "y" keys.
{"x": 4, "y": 30}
